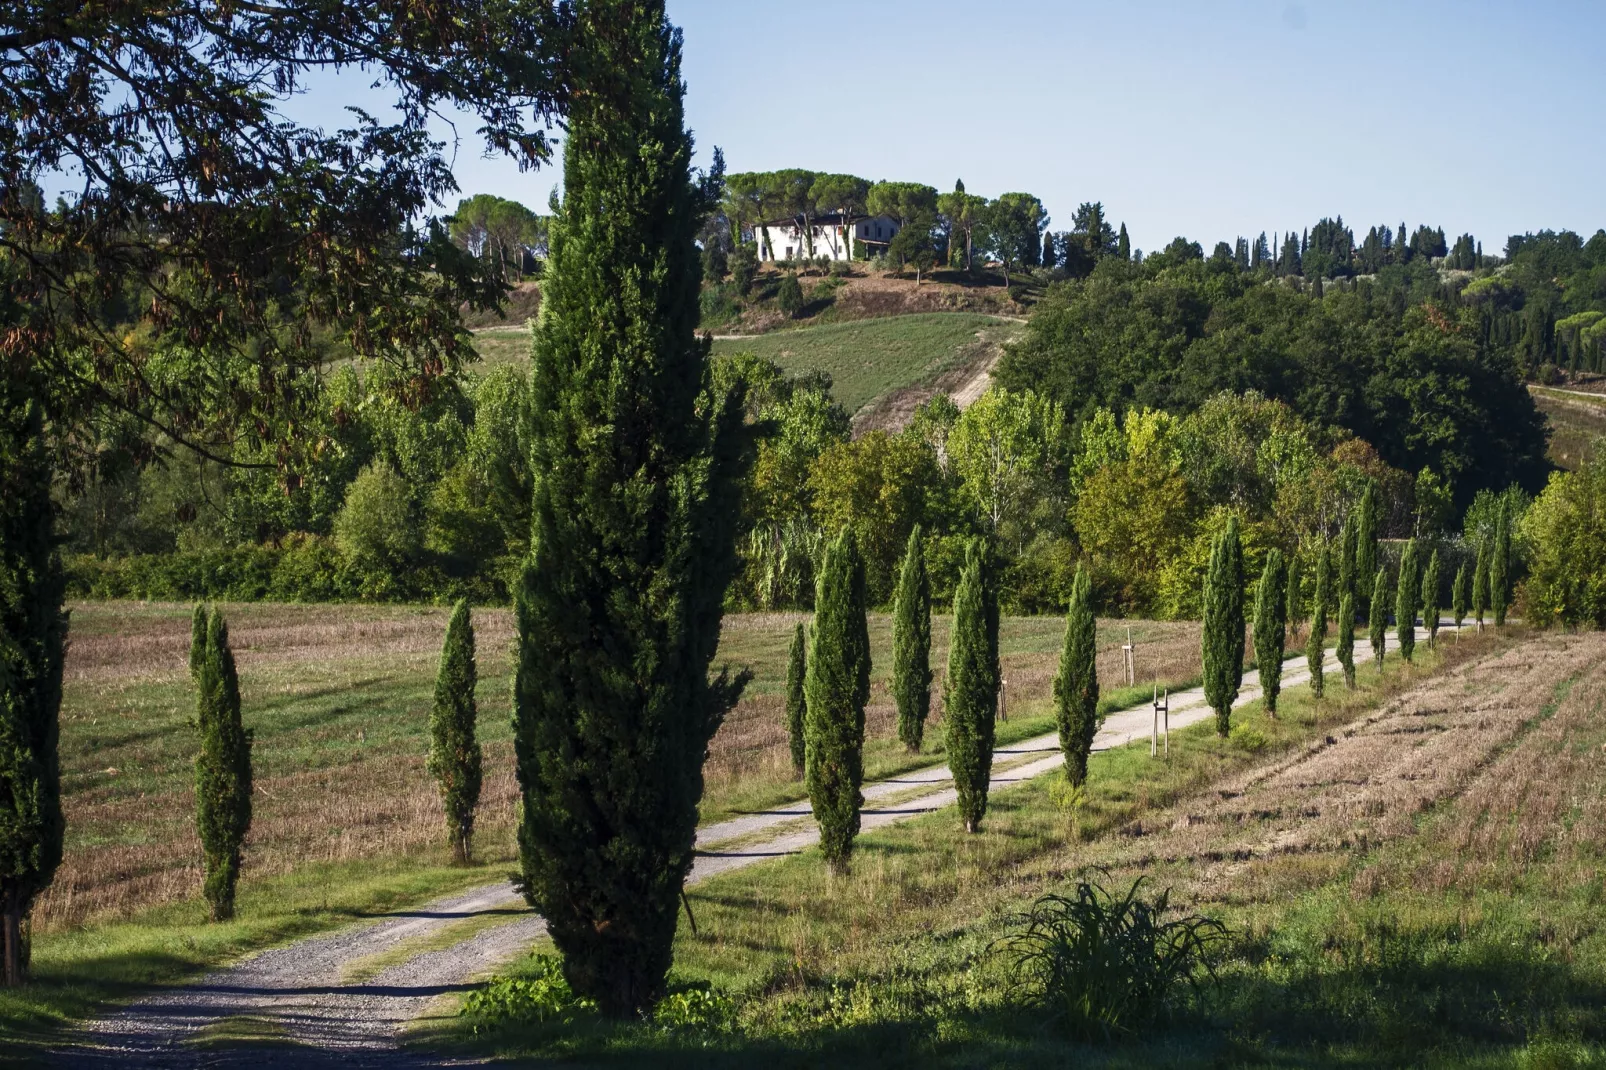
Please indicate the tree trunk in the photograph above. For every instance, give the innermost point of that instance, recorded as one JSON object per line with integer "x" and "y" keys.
{"x": 16, "y": 961}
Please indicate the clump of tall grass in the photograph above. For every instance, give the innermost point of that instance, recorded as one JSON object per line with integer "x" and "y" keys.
{"x": 1103, "y": 963}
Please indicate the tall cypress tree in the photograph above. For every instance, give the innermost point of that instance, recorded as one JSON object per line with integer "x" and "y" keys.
{"x": 1294, "y": 606}
{"x": 1430, "y": 599}
{"x": 1223, "y": 632}
{"x": 1076, "y": 685}
{"x": 1480, "y": 582}
{"x": 1320, "y": 606}
{"x": 1366, "y": 544}
{"x": 970, "y": 700}
{"x": 1271, "y": 628}
{"x": 454, "y": 750}
{"x": 1346, "y": 637}
{"x": 33, "y": 633}
{"x": 639, "y": 457}
{"x": 222, "y": 770}
{"x": 1347, "y": 538}
{"x": 1405, "y": 596}
{"x": 796, "y": 702}
{"x": 911, "y": 644}
{"x": 1378, "y": 619}
{"x": 1458, "y": 596}
{"x": 1499, "y": 567}
{"x": 1123, "y": 244}
{"x": 838, "y": 687}
{"x": 198, "y": 640}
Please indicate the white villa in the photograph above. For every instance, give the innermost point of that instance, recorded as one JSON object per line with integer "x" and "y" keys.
{"x": 834, "y": 235}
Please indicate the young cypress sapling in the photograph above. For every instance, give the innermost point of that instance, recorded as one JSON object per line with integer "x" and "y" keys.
{"x": 1500, "y": 566}
{"x": 1346, "y": 637}
{"x": 796, "y": 703}
{"x": 639, "y": 455}
{"x": 1405, "y": 595}
{"x": 33, "y": 628}
{"x": 198, "y": 621}
{"x": 1458, "y": 596}
{"x": 911, "y": 644}
{"x": 1316, "y": 643}
{"x": 1378, "y": 619}
{"x": 454, "y": 750}
{"x": 1271, "y": 629}
{"x": 1430, "y": 599}
{"x": 222, "y": 770}
{"x": 970, "y": 702}
{"x": 1076, "y": 685}
{"x": 1223, "y": 631}
{"x": 838, "y": 686}
{"x": 1480, "y": 583}
{"x": 1294, "y": 604}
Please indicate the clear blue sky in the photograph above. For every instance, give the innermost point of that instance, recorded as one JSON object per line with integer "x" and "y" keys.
{"x": 1205, "y": 119}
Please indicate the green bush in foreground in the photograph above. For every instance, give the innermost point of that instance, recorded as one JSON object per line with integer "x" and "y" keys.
{"x": 911, "y": 644}
{"x": 1076, "y": 685}
{"x": 1271, "y": 629}
{"x": 1223, "y": 633}
{"x": 970, "y": 702}
{"x": 454, "y": 751}
{"x": 222, "y": 769}
{"x": 796, "y": 702}
{"x": 838, "y": 687}
{"x": 1103, "y": 963}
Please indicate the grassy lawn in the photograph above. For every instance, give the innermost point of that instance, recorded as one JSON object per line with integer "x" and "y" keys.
{"x": 1576, "y": 424}
{"x": 1411, "y": 874}
{"x": 869, "y": 358}
{"x": 502, "y": 345}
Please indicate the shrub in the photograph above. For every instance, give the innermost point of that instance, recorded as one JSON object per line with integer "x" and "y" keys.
{"x": 1566, "y": 532}
{"x": 1247, "y": 737}
{"x": 544, "y": 996}
{"x": 789, "y": 295}
{"x": 697, "y": 1009}
{"x": 1102, "y": 963}
{"x": 375, "y": 528}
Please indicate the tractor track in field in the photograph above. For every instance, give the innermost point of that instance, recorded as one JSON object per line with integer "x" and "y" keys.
{"x": 315, "y": 1004}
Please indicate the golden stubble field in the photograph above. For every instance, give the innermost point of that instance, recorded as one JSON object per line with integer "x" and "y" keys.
{"x": 338, "y": 698}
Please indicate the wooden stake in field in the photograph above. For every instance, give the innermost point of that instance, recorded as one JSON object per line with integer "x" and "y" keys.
{"x": 1162, "y": 714}
{"x": 1130, "y": 658}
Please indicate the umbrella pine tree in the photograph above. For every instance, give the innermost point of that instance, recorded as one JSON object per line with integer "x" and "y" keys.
{"x": 796, "y": 702}
{"x": 1223, "y": 631}
{"x": 911, "y": 645}
{"x": 222, "y": 770}
{"x": 1405, "y": 596}
{"x": 970, "y": 698}
{"x": 1271, "y": 629}
{"x": 838, "y": 687}
{"x": 639, "y": 457}
{"x": 1076, "y": 685}
{"x": 454, "y": 750}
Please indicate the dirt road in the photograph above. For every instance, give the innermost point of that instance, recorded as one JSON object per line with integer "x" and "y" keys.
{"x": 350, "y": 994}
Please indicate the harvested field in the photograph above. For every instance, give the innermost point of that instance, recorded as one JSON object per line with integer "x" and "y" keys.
{"x": 339, "y": 696}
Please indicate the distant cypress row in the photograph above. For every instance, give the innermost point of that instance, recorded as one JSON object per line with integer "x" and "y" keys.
{"x": 838, "y": 687}
{"x": 1458, "y": 596}
{"x": 911, "y": 645}
{"x": 1405, "y": 597}
{"x": 1379, "y": 617}
{"x": 1480, "y": 583}
{"x": 1076, "y": 685}
{"x": 1346, "y": 637}
{"x": 1271, "y": 630}
{"x": 796, "y": 704}
{"x": 222, "y": 769}
{"x": 1223, "y": 631}
{"x": 454, "y": 749}
{"x": 1499, "y": 567}
{"x": 1316, "y": 644}
{"x": 1430, "y": 599}
{"x": 970, "y": 703}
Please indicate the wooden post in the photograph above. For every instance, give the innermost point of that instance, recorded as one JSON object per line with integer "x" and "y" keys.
{"x": 1154, "y": 730}
{"x": 1003, "y": 699}
{"x": 1130, "y": 660}
{"x": 1165, "y": 710}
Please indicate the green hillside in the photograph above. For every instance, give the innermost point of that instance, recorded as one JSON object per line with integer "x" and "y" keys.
{"x": 868, "y": 358}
